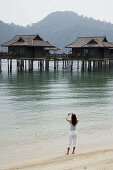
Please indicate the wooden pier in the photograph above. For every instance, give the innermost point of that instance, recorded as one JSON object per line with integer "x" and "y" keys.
{"x": 68, "y": 63}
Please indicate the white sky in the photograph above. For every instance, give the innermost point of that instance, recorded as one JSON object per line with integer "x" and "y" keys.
{"x": 23, "y": 12}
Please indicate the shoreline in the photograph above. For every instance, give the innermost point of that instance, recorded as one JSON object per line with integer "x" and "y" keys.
{"x": 96, "y": 159}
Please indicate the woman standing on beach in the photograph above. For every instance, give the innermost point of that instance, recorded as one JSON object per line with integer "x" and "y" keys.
{"x": 73, "y": 132}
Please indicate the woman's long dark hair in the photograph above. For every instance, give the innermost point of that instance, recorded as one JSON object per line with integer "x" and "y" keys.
{"x": 73, "y": 119}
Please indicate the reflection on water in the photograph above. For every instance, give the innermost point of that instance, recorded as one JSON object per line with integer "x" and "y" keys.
{"x": 33, "y": 107}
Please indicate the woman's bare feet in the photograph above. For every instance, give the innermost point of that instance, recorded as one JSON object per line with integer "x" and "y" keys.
{"x": 68, "y": 149}
{"x": 67, "y": 153}
{"x": 73, "y": 150}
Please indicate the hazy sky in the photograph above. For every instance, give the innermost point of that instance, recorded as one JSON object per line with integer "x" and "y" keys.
{"x": 25, "y": 12}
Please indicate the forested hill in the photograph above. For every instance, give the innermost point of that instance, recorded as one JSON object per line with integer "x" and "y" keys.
{"x": 60, "y": 28}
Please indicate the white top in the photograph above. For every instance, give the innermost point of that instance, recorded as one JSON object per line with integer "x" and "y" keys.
{"x": 72, "y": 128}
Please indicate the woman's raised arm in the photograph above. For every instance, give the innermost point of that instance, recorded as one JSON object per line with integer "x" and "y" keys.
{"x": 67, "y": 118}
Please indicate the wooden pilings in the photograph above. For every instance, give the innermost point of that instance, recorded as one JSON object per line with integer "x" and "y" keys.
{"x": 95, "y": 65}
{"x": 65, "y": 64}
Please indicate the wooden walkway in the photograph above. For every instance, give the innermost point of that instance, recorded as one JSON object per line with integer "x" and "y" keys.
{"x": 5, "y": 55}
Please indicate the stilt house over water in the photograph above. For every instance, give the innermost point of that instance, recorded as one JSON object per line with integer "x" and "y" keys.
{"x": 28, "y": 46}
{"x": 91, "y": 47}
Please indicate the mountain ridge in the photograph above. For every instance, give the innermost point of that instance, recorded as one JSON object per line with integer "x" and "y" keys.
{"x": 59, "y": 28}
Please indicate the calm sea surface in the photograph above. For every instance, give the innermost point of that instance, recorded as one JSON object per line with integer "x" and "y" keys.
{"x": 33, "y": 108}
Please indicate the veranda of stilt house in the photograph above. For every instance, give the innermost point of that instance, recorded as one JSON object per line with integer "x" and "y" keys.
{"x": 89, "y": 53}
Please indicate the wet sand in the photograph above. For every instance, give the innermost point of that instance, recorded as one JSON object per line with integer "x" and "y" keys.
{"x": 101, "y": 159}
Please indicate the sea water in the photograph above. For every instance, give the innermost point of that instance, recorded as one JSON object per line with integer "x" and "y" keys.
{"x": 34, "y": 106}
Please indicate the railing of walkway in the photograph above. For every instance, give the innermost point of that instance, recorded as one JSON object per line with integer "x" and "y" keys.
{"x": 5, "y": 55}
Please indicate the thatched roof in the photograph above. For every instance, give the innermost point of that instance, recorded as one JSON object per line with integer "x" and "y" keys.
{"x": 87, "y": 42}
{"x": 27, "y": 40}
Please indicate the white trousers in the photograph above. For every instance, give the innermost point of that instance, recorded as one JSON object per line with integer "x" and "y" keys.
{"x": 72, "y": 138}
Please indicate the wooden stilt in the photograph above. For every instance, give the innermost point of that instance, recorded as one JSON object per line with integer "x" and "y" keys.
{"x": 78, "y": 65}
{"x": 105, "y": 64}
{"x": 54, "y": 64}
{"x": 41, "y": 65}
{"x": 21, "y": 65}
{"x": 85, "y": 65}
{"x": 0, "y": 66}
{"x": 82, "y": 67}
{"x": 57, "y": 64}
{"x": 63, "y": 64}
{"x": 89, "y": 65}
{"x": 31, "y": 65}
{"x": 38, "y": 64}
{"x": 71, "y": 66}
{"x": 100, "y": 64}
{"x": 25, "y": 65}
{"x": 47, "y": 65}
{"x": 10, "y": 65}
{"x": 18, "y": 64}
{"x": 93, "y": 65}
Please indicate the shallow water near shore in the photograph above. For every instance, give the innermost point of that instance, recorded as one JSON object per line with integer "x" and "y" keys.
{"x": 33, "y": 108}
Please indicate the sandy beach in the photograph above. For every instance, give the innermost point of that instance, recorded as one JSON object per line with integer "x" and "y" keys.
{"x": 92, "y": 160}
